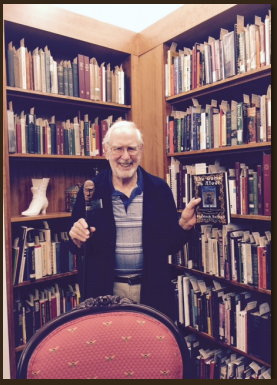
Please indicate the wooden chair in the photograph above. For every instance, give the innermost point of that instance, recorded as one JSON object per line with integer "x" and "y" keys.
{"x": 108, "y": 337}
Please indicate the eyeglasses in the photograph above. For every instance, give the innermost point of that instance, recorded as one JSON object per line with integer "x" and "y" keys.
{"x": 120, "y": 150}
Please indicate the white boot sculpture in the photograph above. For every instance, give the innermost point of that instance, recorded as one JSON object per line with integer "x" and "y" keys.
{"x": 39, "y": 202}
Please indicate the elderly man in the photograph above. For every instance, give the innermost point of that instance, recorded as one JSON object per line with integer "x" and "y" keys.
{"x": 128, "y": 244}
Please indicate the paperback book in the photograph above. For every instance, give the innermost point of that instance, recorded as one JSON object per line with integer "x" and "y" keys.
{"x": 213, "y": 189}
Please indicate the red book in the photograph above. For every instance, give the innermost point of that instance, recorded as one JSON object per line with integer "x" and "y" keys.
{"x": 81, "y": 76}
{"x": 18, "y": 137}
{"x": 260, "y": 189}
{"x": 53, "y": 307}
{"x": 171, "y": 134}
{"x": 237, "y": 176}
{"x": 244, "y": 195}
{"x": 262, "y": 284}
{"x": 104, "y": 126}
{"x": 58, "y": 138}
{"x": 267, "y": 184}
{"x": 87, "y": 77}
{"x": 97, "y": 138}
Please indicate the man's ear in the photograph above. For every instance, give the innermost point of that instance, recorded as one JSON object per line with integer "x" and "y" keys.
{"x": 106, "y": 151}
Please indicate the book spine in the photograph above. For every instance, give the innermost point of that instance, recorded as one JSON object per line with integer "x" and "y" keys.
{"x": 70, "y": 81}
{"x": 81, "y": 76}
{"x": 87, "y": 77}
{"x": 60, "y": 79}
{"x": 267, "y": 184}
{"x": 237, "y": 177}
{"x": 53, "y": 138}
{"x": 65, "y": 80}
{"x": 75, "y": 80}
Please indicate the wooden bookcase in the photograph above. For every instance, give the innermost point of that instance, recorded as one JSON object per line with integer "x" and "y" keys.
{"x": 66, "y": 36}
{"x": 143, "y": 56}
{"x": 233, "y": 88}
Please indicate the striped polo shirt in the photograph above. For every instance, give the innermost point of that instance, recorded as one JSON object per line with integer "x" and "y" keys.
{"x": 128, "y": 221}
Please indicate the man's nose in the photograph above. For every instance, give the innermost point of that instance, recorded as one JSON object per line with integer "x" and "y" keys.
{"x": 125, "y": 154}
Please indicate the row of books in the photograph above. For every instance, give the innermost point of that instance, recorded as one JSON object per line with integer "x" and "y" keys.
{"x": 199, "y": 128}
{"x": 82, "y": 77}
{"x": 37, "y": 253}
{"x": 248, "y": 187}
{"x": 220, "y": 363}
{"x": 235, "y": 318}
{"x": 232, "y": 253}
{"x": 244, "y": 49}
{"x": 33, "y": 309}
{"x": 29, "y": 134}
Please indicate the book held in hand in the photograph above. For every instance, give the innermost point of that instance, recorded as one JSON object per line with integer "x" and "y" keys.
{"x": 213, "y": 190}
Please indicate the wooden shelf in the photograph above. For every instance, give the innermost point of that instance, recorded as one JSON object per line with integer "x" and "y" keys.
{"x": 209, "y": 337}
{"x": 66, "y": 157}
{"x": 242, "y": 148}
{"x": 231, "y": 283}
{"x": 250, "y": 76}
{"x": 249, "y": 217}
{"x": 41, "y": 217}
{"x": 45, "y": 279}
{"x": 37, "y": 95}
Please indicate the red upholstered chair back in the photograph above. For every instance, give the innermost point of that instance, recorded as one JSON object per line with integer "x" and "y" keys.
{"x": 106, "y": 338}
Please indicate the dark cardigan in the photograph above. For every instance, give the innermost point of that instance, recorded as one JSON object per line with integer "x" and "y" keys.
{"x": 161, "y": 236}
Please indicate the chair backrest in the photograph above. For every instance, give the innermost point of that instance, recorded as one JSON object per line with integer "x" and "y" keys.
{"x": 107, "y": 337}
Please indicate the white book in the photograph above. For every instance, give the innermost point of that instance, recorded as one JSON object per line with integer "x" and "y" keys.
{"x": 267, "y": 41}
{"x": 22, "y": 65}
{"x": 180, "y": 298}
{"x": 203, "y": 131}
{"x": 38, "y": 258}
{"x": 42, "y": 70}
{"x": 77, "y": 137}
{"x": 186, "y": 292}
{"x": 216, "y": 127}
{"x": 47, "y": 237}
{"x": 36, "y": 70}
{"x": 23, "y": 131}
{"x": 91, "y": 76}
{"x": 53, "y": 258}
{"x": 57, "y": 292}
{"x": 11, "y": 131}
{"x": 55, "y": 77}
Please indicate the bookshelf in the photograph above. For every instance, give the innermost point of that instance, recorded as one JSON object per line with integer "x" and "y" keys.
{"x": 232, "y": 88}
{"x": 143, "y": 56}
{"x": 66, "y": 36}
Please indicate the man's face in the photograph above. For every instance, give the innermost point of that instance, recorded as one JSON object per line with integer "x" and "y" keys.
{"x": 88, "y": 190}
{"x": 123, "y": 165}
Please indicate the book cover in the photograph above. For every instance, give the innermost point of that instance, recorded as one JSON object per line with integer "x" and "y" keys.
{"x": 213, "y": 189}
{"x": 75, "y": 74}
{"x": 87, "y": 77}
{"x": 65, "y": 79}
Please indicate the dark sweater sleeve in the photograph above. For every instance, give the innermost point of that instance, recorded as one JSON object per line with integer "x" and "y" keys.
{"x": 77, "y": 213}
{"x": 176, "y": 235}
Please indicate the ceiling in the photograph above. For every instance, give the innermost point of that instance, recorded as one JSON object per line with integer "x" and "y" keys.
{"x": 135, "y": 17}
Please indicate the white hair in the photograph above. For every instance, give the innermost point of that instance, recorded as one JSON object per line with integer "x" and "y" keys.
{"x": 123, "y": 123}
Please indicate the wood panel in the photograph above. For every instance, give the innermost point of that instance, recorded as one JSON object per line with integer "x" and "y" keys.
{"x": 53, "y": 19}
{"x": 7, "y": 225}
{"x": 152, "y": 102}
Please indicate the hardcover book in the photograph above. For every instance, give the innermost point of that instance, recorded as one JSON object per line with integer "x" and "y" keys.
{"x": 213, "y": 189}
